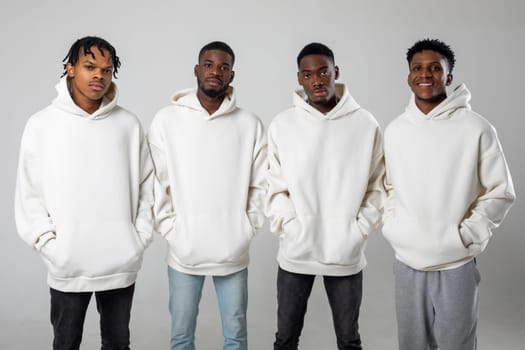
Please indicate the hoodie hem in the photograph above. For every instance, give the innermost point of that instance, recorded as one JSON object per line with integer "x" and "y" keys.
{"x": 209, "y": 269}
{"x": 89, "y": 284}
{"x": 316, "y": 268}
{"x": 441, "y": 267}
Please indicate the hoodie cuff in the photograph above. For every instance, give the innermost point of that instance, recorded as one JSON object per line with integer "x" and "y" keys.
{"x": 43, "y": 239}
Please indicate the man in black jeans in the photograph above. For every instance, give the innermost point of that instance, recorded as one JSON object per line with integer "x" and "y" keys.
{"x": 84, "y": 196}
{"x": 324, "y": 193}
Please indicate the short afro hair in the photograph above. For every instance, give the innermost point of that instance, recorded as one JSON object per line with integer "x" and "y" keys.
{"x": 433, "y": 45}
{"x": 315, "y": 49}
{"x": 217, "y": 45}
{"x": 85, "y": 44}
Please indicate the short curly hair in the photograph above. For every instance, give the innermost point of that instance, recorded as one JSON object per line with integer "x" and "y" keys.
{"x": 217, "y": 45}
{"x": 315, "y": 49}
{"x": 433, "y": 45}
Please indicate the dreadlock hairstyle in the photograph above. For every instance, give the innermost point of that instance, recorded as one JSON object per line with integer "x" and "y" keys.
{"x": 85, "y": 44}
{"x": 217, "y": 45}
{"x": 315, "y": 49}
{"x": 433, "y": 45}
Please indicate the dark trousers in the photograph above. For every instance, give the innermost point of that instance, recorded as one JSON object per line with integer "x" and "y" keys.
{"x": 344, "y": 295}
{"x": 68, "y": 311}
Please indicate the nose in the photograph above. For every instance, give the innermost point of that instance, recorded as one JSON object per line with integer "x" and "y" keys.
{"x": 215, "y": 70}
{"x": 317, "y": 81}
{"x": 426, "y": 73}
{"x": 98, "y": 74}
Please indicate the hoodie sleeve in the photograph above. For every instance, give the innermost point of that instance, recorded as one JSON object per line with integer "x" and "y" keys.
{"x": 278, "y": 205}
{"x": 144, "y": 220}
{"x": 163, "y": 210}
{"x": 257, "y": 190}
{"x": 369, "y": 215}
{"x": 33, "y": 221}
{"x": 496, "y": 196}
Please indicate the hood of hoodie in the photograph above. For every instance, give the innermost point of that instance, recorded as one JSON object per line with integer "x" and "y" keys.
{"x": 459, "y": 98}
{"x": 345, "y": 105}
{"x": 65, "y": 102}
{"x": 188, "y": 99}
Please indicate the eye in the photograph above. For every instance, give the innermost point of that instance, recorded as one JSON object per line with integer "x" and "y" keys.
{"x": 207, "y": 65}
{"x": 225, "y": 68}
{"x": 435, "y": 68}
{"x": 107, "y": 71}
{"x": 89, "y": 67}
{"x": 307, "y": 75}
{"x": 324, "y": 73}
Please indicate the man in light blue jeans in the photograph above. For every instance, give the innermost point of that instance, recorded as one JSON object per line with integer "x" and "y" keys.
{"x": 210, "y": 163}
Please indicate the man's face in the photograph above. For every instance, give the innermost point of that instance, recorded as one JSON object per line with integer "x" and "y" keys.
{"x": 214, "y": 72}
{"x": 317, "y": 75}
{"x": 90, "y": 77}
{"x": 429, "y": 75}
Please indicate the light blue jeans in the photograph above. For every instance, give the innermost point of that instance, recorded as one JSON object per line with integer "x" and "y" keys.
{"x": 185, "y": 295}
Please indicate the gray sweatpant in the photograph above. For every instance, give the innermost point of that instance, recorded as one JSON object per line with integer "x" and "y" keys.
{"x": 437, "y": 309}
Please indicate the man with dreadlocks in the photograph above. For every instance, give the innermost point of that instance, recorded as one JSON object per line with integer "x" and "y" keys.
{"x": 448, "y": 187}
{"x": 84, "y": 196}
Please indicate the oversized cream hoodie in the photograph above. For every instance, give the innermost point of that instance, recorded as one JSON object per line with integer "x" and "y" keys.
{"x": 210, "y": 186}
{"x": 447, "y": 181}
{"x": 324, "y": 185}
{"x": 84, "y": 193}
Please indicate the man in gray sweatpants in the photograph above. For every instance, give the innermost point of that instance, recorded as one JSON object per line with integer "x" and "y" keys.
{"x": 448, "y": 187}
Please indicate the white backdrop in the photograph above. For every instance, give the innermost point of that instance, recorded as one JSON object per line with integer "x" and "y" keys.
{"x": 158, "y": 42}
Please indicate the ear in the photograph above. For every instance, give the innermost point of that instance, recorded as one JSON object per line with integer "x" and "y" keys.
{"x": 232, "y": 75}
{"x": 450, "y": 77}
{"x": 299, "y": 78}
{"x": 70, "y": 69}
{"x": 195, "y": 69}
{"x": 336, "y": 68}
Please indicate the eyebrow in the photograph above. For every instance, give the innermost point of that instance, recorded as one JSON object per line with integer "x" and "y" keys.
{"x": 311, "y": 70}
{"x": 222, "y": 64}
{"x": 420, "y": 62}
{"x": 94, "y": 64}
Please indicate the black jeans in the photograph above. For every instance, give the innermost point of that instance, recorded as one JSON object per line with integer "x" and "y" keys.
{"x": 68, "y": 311}
{"x": 344, "y": 295}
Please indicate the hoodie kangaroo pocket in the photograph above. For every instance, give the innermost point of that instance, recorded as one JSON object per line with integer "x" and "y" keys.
{"x": 96, "y": 249}
{"x": 57, "y": 258}
{"x": 326, "y": 240}
{"x": 343, "y": 244}
{"x": 292, "y": 227}
{"x": 48, "y": 252}
{"x": 211, "y": 238}
{"x": 423, "y": 246}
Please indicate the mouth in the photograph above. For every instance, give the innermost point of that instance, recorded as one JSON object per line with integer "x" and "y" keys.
{"x": 96, "y": 86}
{"x": 320, "y": 92}
{"x": 425, "y": 84}
{"x": 214, "y": 82}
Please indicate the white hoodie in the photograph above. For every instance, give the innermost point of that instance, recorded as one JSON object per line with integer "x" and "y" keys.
{"x": 447, "y": 181}
{"x": 324, "y": 185}
{"x": 84, "y": 193}
{"x": 210, "y": 186}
